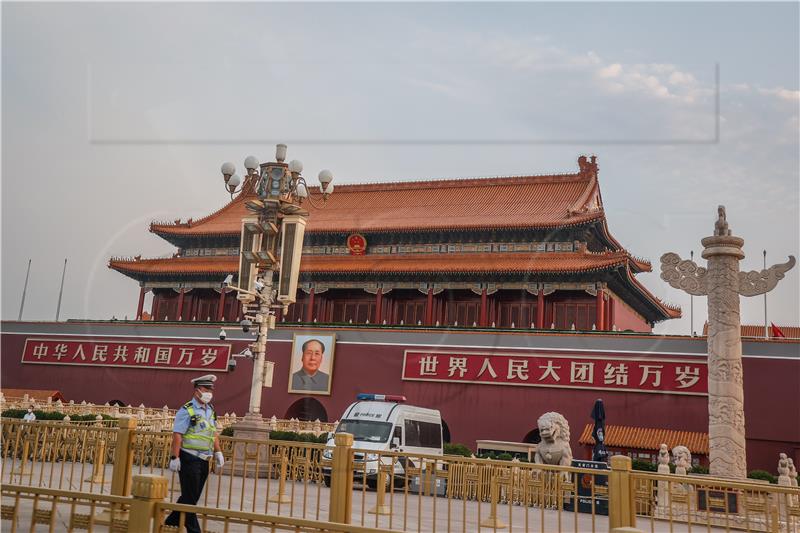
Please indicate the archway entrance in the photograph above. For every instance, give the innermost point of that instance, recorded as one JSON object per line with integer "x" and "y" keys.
{"x": 533, "y": 437}
{"x": 307, "y": 409}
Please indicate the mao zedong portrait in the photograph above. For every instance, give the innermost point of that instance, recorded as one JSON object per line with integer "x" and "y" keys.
{"x": 310, "y": 377}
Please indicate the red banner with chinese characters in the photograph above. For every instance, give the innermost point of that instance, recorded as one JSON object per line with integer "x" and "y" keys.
{"x": 628, "y": 374}
{"x": 125, "y": 354}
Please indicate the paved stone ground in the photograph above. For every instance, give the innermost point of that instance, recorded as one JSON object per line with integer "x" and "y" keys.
{"x": 409, "y": 512}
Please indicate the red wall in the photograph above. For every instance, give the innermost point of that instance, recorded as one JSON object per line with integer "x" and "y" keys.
{"x": 470, "y": 411}
{"x": 626, "y": 318}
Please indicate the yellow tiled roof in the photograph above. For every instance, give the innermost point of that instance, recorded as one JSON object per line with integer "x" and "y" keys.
{"x": 648, "y": 438}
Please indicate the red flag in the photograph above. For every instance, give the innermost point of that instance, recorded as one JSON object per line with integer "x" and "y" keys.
{"x": 776, "y": 331}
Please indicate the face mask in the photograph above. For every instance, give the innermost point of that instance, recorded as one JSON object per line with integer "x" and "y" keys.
{"x": 205, "y": 397}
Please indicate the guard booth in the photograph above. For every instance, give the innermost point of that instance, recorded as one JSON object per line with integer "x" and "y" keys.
{"x": 523, "y": 451}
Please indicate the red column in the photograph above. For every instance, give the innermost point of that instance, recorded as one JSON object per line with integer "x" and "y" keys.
{"x": 378, "y": 305}
{"x": 610, "y": 318}
{"x": 193, "y": 298}
{"x": 180, "y": 305}
{"x": 540, "y": 310}
{"x": 310, "y": 308}
{"x": 600, "y": 319}
{"x": 140, "y": 307}
{"x": 484, "y": 310}
{"x": 221, "y": 306}
{"x": 429, "y": 308}
{"x": 322, "y": 316}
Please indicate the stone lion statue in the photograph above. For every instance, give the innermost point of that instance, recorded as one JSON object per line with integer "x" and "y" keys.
{"x": 554, "y": 448}
{"x": 783, "y": 470}
{"x": 683, "y": 459}
{"x": 663, "y": 455}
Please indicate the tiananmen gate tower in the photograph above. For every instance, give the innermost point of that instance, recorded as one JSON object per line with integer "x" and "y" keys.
{"x": 524, "y": 252}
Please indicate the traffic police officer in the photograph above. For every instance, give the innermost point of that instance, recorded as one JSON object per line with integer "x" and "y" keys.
{"x": 194, "y": 442}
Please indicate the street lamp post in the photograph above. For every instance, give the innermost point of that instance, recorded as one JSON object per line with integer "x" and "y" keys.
{"x": 271, "y": 243}
{"x": 263, "y": 318}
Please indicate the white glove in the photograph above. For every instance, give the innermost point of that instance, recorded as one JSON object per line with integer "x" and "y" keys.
{"x": 220, "y": 459}
{"x": 175, "y": 465}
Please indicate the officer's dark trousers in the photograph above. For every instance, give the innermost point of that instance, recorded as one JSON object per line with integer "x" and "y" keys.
{"x": 193, "y": 474}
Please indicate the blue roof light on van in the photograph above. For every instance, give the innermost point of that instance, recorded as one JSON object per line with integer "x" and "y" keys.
{"x": 381, "y": 397}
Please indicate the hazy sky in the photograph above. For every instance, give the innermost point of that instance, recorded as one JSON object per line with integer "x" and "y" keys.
{"x": 114, "y": 115}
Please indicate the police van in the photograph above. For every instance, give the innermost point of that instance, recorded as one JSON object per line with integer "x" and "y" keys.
{"x": 382, "y": 423}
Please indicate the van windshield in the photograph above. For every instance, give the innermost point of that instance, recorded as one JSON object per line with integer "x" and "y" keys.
{"x": 366, "y": 430}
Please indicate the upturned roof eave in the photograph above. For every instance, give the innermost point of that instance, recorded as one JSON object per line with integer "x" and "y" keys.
{"x": 662, "y": 310}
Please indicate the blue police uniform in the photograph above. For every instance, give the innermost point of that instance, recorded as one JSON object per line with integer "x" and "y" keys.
{"x": 196, "y": 422}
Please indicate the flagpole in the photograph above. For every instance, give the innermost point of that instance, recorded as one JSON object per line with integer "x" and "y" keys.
{"x": 691, "y": 305}
{"x": 766, "y": 327}
{"x": 24, "y": 290}
{"x": 61, "y": 291}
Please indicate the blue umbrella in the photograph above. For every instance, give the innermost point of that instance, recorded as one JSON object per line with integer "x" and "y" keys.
{"x": 599, "y": 452}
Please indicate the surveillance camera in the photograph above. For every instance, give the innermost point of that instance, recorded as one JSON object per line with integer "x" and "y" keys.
{"x": 246, "y": 325}
{"x": 228, "y": 280}
{"x": 246, "y": 353}
{"x": 222, "y": 335}
{"x": 231, "y": 365}
{"x": 259, "y": 285}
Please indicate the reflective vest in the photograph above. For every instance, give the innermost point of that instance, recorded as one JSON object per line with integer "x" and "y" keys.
{"x": 200, "y": 435}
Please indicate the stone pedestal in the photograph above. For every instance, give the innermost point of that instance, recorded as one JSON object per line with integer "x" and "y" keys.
{"x": 250, "y": 458}
{"x": 663, "y": 487}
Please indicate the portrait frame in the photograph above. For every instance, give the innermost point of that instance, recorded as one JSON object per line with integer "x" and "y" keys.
{"x": 299, "y": 381}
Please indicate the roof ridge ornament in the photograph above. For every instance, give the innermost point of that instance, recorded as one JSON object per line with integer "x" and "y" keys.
{"x": 588, "y": 166}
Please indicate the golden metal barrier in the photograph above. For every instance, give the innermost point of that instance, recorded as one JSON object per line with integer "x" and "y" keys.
{"x": 417, "y": 492}
{"x": 24, "y": 508}
{"x": 226, "y": 519}
{"x": 273, "y": 477}
{"x": 153, "y": 418}
{"x": 57, "y": 455}
{"x": 672, "y": 502}
{"x": 395, "y": 491}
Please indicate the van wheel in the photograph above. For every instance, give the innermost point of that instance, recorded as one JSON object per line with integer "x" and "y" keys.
{"x": 399, "y": 482}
